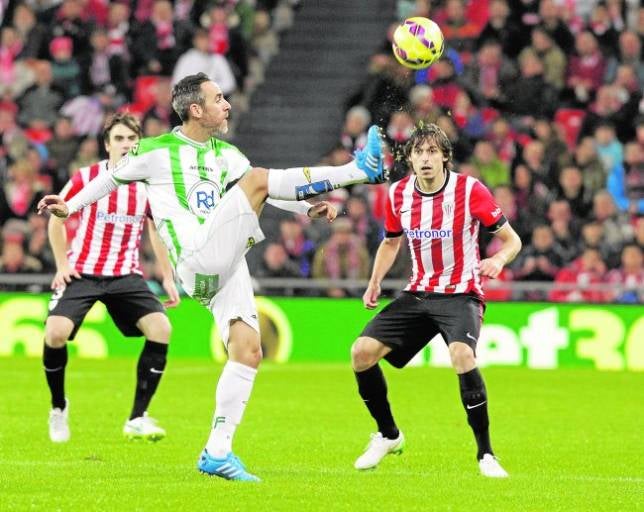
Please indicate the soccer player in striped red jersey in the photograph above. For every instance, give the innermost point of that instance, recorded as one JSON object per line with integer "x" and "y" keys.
{"x": 102, "y": 264}
{"x": 439, "y": 212}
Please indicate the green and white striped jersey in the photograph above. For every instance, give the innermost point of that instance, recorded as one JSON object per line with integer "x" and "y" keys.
{"x": 185, "y": 180}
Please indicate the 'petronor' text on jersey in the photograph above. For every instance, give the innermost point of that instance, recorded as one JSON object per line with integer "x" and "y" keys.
{"x": 428, "y": 233}
{"x": 116, "y": 218}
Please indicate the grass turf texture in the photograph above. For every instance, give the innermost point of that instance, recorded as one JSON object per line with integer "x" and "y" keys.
{"x": 570, "y": 439}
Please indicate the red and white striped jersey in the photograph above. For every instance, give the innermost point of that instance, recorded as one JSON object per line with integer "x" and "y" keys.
{"x": 107, "y": 240}
{"x": 442, "y": 231}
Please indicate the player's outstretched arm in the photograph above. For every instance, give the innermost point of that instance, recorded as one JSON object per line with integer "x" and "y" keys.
{"x": 385, "y": 258}
{"x": 161, "y": 255}
{"x": 510, "y": 247}
{"x": 99, "y": 187}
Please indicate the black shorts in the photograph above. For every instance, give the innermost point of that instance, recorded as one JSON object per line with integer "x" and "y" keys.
{"x": 127, "y": 299}
{"x": 409, "y": 322}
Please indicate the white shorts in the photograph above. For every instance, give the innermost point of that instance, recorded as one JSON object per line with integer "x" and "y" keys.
{"x": 216, "y": 273}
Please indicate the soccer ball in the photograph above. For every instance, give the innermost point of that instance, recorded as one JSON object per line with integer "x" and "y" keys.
{"x": 418, "y": 43}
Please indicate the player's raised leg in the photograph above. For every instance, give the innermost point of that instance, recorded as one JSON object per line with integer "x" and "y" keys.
{"x": 365, "y": 354}
{"x": 57, "y": 332}
{"x": 474, "y": 399}
{"x": 299, "y": 183}
{"x": 151, "y": 365}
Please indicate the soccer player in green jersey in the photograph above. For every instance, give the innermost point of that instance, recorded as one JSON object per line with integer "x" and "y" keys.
{"x": 206, "y": 199}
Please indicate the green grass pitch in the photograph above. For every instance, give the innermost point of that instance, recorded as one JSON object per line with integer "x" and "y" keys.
{"x": 571, "y": 440}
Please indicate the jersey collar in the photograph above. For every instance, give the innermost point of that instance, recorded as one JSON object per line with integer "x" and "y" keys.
{"x": 430, "y": 194}
{"x": 176, "y": 131}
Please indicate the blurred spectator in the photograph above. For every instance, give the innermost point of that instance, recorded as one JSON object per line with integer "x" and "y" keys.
{"x": 38, "y": 244}
{"x": 103, "y": 66}
{"x": 198, "y": 58}
{"x": 228, "y": 41}
{"x": 593, "y": 235}
{"x": 13, "y": 259}
{"x": 461, "y": 145}
{"x": 586, "y": 159}
{"x": 587, "y": 270}
{"x": 493, "y": 171}
{"x": 611, "y": 106}
{"x": 554, "y": 148}
{"x": 529, "y": 96}
{"x": 264, "y": 41}
{"x": 20, "y": 193}
{"x": 519, "y": 219}
{"x": 88, "y": 112}
{"x": 276, "y": 263}
{"x": 62, "y": 148}
{"x": 64, "y": 68}
{"x": 601, "y": 26}
{"x": 68, "y": 22}
{"x": 571, "y": 190}
{"x": 540, "y": 260}
{"x": 626, "y": 181}
{"x": 354, "y": 129}
{"x": 33, "y": 35}
{"x": 501, "y": 28}
{"x": 161, "y": 107}
{"x": 423, "y": 107}
{"x": 550, "y": 14}
{"x": 630, "y": 53}
{"x": 445, "y": 84}
{"x": 460, "y": 32}
{"x": 385, "y": 90}
{"x": 10, "y": 46}
{"x": 533, "y": 157}
{"x": 299, "y": 248}
{"x": 489, "y": 74}
{"x": 532, "y": 196}
{"x": 553, "y": 59}
{"x": 153, "y": 127}
{"x": 118, "y": 30}
{"x": 604, "y": 211}
{"x": 88, "y": 153}
{"x": 159, "y": 40}
{"x": 629, "y": 276}
{"x": 561, "y": 219}
{"x": 41, "y": 101}
{"x": 468, "y": 117}
{"x": 504, "y": 139}
{"x": 609, "y": 149}
{"x": 343, "y": 256}
{"x": 364, "y": 226}
{"x": 586, "y": 68}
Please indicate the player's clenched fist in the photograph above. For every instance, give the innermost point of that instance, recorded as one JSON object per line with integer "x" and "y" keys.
{"x": 55, "y": 205}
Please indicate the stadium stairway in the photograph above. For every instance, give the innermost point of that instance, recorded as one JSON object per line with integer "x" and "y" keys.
{"x": 295, "y": 116}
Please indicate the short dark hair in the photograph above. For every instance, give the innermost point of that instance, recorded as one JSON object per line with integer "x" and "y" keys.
{"x": 186, "y": 92}
{"x": 124, "y": 118}
{"x": 430, "y": 132}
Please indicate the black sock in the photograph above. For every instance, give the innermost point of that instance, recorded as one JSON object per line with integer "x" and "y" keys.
{"x": 373, "y": 390}
{"x": 474, "y": 400}
{"x": 148, "y": 374}
{"x": 55, "y": 361}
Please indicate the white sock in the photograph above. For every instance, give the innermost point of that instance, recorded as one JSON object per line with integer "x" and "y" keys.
{"x": 233, "y": 391}
{"x": 299, "y": 183}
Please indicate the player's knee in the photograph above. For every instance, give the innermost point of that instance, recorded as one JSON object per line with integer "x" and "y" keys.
{"x": 56, "y": 335}
{"x": 462, "y": 357}
{"x": 156, "y": 327}
{"x": 362, "y": 355}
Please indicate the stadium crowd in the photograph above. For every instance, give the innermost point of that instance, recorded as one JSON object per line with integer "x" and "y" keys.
{"x": 542, "y": 100}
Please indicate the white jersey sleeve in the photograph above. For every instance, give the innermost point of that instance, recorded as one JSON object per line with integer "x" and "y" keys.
{"x": 238, "y": 164}
{"x": 99, "y": 187}
{"x": 131, "y": 168}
